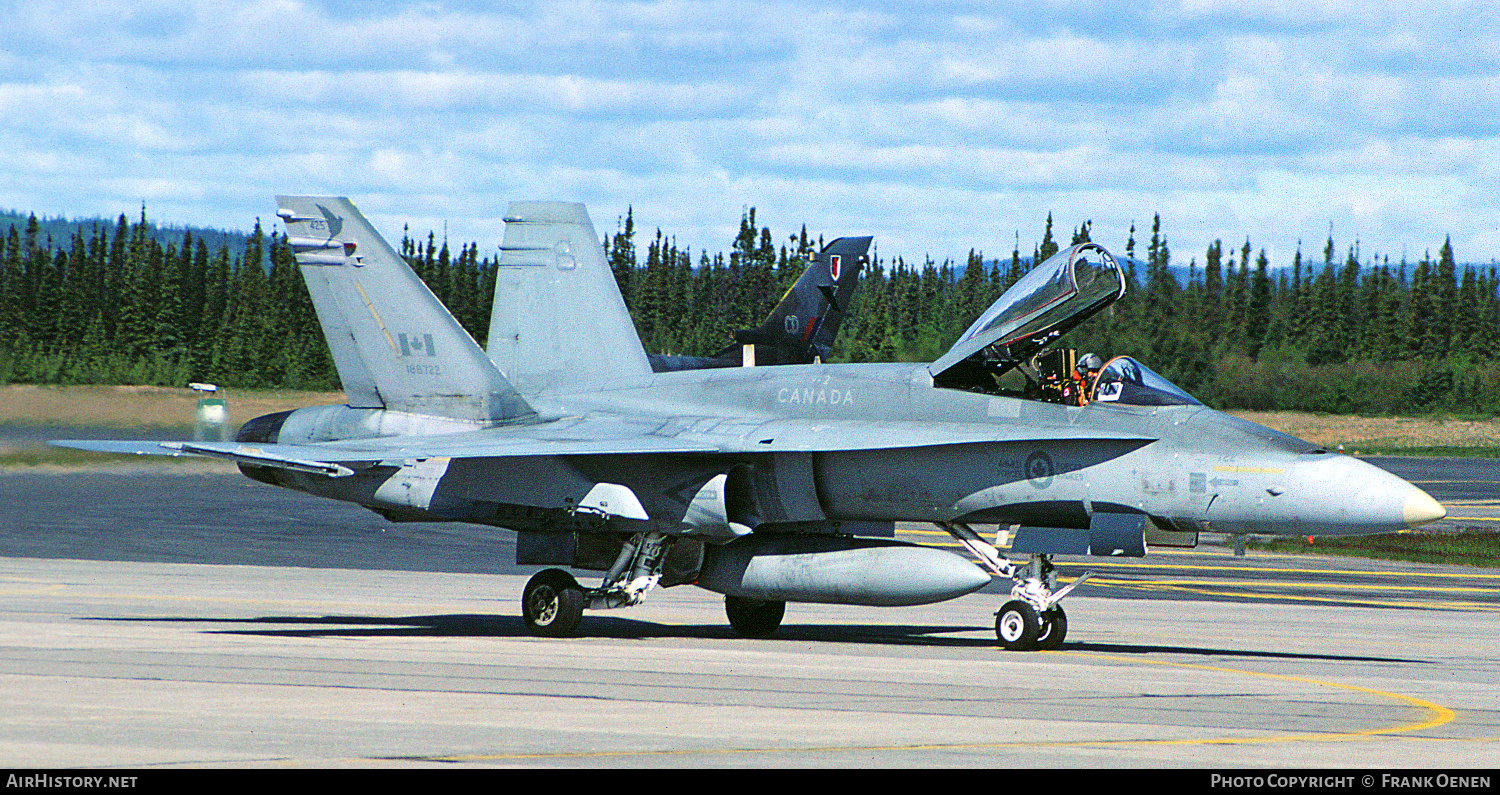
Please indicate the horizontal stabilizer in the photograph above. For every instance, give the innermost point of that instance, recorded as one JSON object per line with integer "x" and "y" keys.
{"x": 238, "y": 453}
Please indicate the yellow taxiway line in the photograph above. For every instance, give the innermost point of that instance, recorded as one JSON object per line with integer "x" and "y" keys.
{"x": 1437, "y": 715}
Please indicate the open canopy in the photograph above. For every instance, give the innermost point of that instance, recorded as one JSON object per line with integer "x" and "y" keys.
{"x": 1065, "y": 290}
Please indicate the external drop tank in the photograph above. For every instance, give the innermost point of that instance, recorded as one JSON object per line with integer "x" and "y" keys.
{"x": 837, "y": 570}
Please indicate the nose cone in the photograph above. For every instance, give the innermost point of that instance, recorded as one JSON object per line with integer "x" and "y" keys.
{"x": 1421, "y": 508}
{"x": 1345, "y": 496}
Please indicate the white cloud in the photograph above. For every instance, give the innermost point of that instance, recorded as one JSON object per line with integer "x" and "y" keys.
{"x": 938, "y": 128}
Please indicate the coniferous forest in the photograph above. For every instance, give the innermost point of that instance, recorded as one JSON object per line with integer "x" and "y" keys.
{"x": 123, "y": 303}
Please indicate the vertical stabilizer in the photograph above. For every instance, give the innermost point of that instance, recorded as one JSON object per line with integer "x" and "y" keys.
{"x": 804, "y": 324}
{"x": 394, "y": 343}
{"x": 559, "y": 321}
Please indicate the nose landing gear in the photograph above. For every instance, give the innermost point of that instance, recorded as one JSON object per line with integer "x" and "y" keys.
{"x": 1032, "y": 619}
{"x": 1020, "y": 627}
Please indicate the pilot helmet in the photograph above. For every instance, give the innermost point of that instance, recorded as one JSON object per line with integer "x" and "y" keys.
{"x": 1090, "y": 362}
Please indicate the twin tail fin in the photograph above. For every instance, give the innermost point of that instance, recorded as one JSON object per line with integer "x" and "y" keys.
{"x": 395, "y": 345}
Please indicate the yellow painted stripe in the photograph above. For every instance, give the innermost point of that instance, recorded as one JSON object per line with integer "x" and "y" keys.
{"x": 378, "y": 321}
{"x": 1437, "y": 715}
{"x": 1482, "y": 607}
{"x": 1297, "y": 584}
{"x": 1106, "y": 564}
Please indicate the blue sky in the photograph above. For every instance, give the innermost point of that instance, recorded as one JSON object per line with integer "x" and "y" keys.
{"x": 937, "y": 127}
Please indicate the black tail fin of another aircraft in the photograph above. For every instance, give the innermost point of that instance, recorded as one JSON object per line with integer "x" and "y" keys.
{"x": 804, "y": 324}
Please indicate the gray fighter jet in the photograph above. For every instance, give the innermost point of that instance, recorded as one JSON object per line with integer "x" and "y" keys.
{"x": 767, "y": 484}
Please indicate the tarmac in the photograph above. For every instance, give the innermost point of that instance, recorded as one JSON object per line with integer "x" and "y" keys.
{"x": 139, "y": 665}
{"x": 176, "y": 620}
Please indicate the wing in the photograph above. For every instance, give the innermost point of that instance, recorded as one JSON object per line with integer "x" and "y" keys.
{"x": 607, "y": 435}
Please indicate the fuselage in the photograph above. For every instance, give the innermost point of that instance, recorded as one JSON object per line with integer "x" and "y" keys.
{"x": 961, "y": 456}
{"x": 1196, "y": 468}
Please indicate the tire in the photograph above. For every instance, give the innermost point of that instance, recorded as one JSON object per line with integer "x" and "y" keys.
{"x": 1017, "y": 625}
{"x": 1054, "y": 629}
{"x": 552, "y": 604}
{"x": 752, "y": 618}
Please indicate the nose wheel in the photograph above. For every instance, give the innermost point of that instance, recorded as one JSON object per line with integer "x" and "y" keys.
{"x": 1020, "y": 627}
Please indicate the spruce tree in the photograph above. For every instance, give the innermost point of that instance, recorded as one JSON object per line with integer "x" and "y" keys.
{"x": 1213, "y": 290}
{"x": 1258, "y": 307}
{"x": 1048, "y": 247}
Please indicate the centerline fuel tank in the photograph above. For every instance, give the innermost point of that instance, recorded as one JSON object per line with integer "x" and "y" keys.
{"x": 837, "y": 570}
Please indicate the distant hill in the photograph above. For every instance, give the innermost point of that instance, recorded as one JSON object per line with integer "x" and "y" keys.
{"x": 61, "y": 230}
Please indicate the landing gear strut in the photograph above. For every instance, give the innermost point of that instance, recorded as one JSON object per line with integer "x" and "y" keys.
{"x": 1032, "y": 619}
{"x": 552, "y": 603}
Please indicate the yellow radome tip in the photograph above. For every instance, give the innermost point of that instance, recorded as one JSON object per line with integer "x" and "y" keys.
{"x": 1421, "y": 508}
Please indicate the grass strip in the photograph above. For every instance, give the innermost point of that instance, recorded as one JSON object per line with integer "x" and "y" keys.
{"x": 1436, "y": 451}
{"x": 1466, "y": 548}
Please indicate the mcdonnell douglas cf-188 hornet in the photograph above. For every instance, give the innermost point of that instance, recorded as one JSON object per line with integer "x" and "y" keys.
{"x": 766, "y": 484}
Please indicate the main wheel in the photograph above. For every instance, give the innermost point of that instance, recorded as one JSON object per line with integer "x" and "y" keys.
{"x": 1054, "y": 629}
{"x": 552, "y": 603}
{"x": 1018, "y": 626}
{"x": 753, "y": 618}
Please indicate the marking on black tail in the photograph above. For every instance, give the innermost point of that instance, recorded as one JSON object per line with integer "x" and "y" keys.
{"x": 831, "y": 291}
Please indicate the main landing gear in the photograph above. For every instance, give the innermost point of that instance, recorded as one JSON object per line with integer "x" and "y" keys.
{"x": 552, "y": 603}
{"x": 753, "y": 618}
{"x": 1032, "y": 619}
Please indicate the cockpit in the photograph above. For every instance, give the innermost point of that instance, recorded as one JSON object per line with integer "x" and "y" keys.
{"x": 1009, "y": 350}
{"x": 1126, "y": 381}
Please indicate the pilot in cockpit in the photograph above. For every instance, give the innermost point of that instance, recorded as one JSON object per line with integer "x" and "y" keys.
{"x": 1086, "y": 373}
{"x": 1065, "y": 377}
